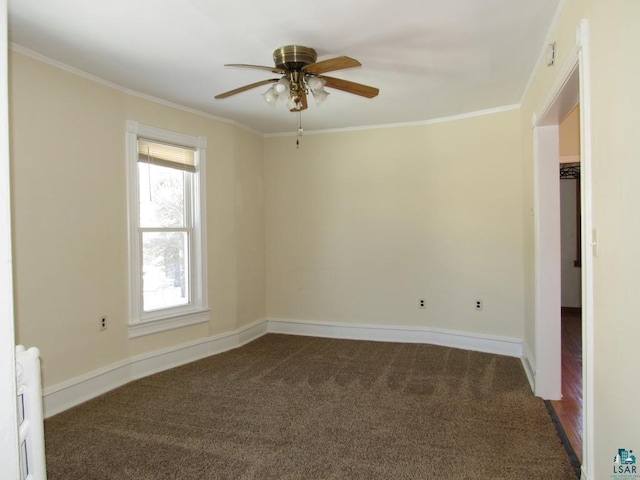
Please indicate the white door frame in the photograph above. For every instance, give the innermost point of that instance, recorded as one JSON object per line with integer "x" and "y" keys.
{"x": 547, "y": 287}
{"x": 9, "y": 457}
{"x": 547, "y": 347}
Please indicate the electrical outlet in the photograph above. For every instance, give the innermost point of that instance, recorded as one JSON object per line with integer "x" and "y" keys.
{"x": 478, "y": 305}
{"x": 422, "y": 303}
{"x": 103, "y": 323}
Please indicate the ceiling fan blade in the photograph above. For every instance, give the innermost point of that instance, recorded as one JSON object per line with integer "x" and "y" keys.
{"x": 331, "y": 65}
{"x": 246, "y": 87}
{"x": 259, "y": 67}
{"x": 351, "y": 87}
{"x": 304, "y": 103}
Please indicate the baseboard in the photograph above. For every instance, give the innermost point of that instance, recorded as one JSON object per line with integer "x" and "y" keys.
{"x": 388, "y": 333}
{"x": 160, "y": 360}
{"x": 72, "y": 392}
{"x": 75, "y": 391}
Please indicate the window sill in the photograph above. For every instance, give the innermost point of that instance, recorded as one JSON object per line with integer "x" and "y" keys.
{"x": 149, "y": 327}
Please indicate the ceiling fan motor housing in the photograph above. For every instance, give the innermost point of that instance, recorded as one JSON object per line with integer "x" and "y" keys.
{"x": 294, "y": 57}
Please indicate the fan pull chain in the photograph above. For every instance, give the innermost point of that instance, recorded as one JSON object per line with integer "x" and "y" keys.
{"x": 299, "y": 129}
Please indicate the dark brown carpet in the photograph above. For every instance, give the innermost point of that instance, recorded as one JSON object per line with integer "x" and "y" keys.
{"x": 286, "y": 407}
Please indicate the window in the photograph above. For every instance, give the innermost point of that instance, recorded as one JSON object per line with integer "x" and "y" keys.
{"x": 166, "y": 200}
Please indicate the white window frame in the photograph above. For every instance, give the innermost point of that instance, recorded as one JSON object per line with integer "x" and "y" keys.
{"x": 197, "y": 311}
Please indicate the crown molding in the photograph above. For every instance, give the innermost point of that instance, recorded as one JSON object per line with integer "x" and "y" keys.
{"x": 81, "y": 73}
{"x": 134, "y": 93}
{"x": 452, "y": 118}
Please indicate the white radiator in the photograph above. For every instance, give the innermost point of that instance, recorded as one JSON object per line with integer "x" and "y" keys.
{"x": 30, "y": 418}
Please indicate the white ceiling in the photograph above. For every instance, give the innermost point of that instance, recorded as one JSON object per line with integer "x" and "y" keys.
{"x": 430, "y": 58}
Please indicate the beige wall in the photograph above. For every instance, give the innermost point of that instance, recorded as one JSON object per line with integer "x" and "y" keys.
{"x": 615, "y": 100}
{"x": 615, "y": 40}
{"x": 360, "y": 225}
{"x": 570, "y": 136}
{"x": 69, "y": 214}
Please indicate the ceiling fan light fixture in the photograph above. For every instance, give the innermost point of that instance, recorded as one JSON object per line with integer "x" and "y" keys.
{"x": 315, "y": 83}
{"x": 295, "y": 102}
{"x": 282, "y": 86}
{"x": 270, "y": 96}
{"x": 320, "y": 95}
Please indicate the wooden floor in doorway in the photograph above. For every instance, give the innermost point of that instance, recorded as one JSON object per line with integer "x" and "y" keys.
{"x": 569, "y": 409}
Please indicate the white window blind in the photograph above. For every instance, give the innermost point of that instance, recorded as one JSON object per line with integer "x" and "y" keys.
{"x": 164, "y": 155}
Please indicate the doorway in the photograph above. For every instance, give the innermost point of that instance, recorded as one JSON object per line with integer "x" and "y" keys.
{"x": 568, "y": 410}
{"x": 571, "y": 86}
{"x": 559, "y": 287}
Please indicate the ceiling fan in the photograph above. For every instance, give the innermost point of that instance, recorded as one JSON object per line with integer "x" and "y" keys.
{"x": 301, "y": 74}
